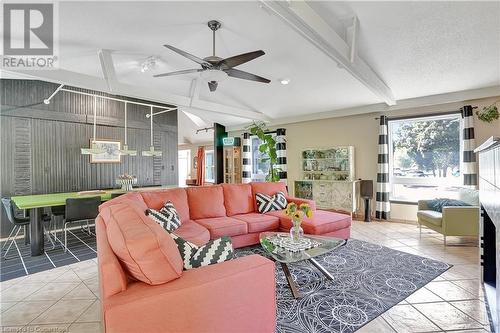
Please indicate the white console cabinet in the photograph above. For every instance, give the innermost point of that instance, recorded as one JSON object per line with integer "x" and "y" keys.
{"x": 328, "y": 178}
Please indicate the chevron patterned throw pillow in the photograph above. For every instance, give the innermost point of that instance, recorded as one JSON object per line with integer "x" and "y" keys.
{"x": 167, "y": 217}
{"x": 266, "y": 203}
{"x": 215, "y": 251}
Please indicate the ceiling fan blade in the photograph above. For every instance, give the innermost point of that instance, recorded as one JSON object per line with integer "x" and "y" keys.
{"x": 188, "y": 55}
{"x": 186, "y": 71}
{"x": 241, "y": 59}
{"x": 212, "y": 85}
{"x": 245, "y": 75}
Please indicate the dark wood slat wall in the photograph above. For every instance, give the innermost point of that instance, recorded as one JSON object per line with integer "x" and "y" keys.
{"x": 40, "y": 147}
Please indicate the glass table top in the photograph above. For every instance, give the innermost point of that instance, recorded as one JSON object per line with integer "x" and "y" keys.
{"x": 290, "y": 252}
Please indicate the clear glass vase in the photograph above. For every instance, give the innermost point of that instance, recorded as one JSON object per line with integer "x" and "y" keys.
{"x": 296, "y": 232}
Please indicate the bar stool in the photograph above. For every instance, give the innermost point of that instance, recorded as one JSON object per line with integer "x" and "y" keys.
{"x": 79, "y": 210}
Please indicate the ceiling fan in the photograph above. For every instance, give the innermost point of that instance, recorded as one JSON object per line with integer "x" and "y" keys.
{"x": 215, "y": 68}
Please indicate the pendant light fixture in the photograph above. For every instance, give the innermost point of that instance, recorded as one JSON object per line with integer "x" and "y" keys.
{"x": 151, "y": 152}
{"x": 94, "y": 149}
{"x": 125, "y": 150}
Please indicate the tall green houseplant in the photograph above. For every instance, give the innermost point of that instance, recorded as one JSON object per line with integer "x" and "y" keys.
{"x": 267, "y": 150}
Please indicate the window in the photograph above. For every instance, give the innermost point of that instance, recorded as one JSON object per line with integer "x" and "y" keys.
{"x": 209, "y": 166}
{"x": 184, "y": 166}
{"x": 424, "y": 158}
{"x": 260, "y": 168}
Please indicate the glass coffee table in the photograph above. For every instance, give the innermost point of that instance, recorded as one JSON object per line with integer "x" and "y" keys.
{"x": 282, "y": 249}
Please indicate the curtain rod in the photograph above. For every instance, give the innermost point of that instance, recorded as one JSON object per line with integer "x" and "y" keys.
{"x": 60, "y": 88}
{"x": 266, "y": 132}
{"x": 423, "y": 115}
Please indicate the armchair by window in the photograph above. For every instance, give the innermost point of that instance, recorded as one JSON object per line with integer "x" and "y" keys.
{"x": 453, "y": 220}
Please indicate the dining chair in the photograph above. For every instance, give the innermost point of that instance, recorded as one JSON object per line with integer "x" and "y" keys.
{"x": 19, "y": 223}
{"x": 56, "y": 215}
{"x": 79, "y": 210}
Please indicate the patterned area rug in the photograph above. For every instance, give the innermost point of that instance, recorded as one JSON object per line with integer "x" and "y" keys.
{"x": 369, "y": 280}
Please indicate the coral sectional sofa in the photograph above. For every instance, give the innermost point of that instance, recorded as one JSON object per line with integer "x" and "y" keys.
{"x": 143, "y": 288}
{"x": 209, "y": 212}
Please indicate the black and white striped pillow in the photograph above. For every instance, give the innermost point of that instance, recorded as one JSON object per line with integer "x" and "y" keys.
{"x": 167, "y": 217}
{"x": 215, "y": 251}
{"x": 266, "y": 203}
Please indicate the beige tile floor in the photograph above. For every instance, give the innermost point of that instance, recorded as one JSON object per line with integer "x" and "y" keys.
{"x": 66, "y": 299}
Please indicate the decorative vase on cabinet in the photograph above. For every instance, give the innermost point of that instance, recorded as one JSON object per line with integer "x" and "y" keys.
{"x": 328, "y": 178}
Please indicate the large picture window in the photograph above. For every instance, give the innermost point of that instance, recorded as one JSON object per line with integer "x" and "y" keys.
{"x": 260, "y": 167}
{"x": 424, "y": 157}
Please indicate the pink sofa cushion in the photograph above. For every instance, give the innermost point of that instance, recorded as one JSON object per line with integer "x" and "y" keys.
{"x": 111, "y": 274}
{"x": 321, "y": 223}
{"x": 130, "y": 198}
{"x": 259, "y": 222}
{"x": 193, "y": 232}
{"x": 206, "y": 202}
{"x": 267, "y": 188}
{"x": 144, "y": 248}
{"x": 156, "y": 199}
{"x": 223, "y": 226}
{"x": 238, "y": 199}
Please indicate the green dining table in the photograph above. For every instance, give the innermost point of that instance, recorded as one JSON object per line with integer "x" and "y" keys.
{"x": 37, "y": 202}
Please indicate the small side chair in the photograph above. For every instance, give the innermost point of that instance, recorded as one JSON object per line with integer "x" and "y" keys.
{"x": 79, "y": 210}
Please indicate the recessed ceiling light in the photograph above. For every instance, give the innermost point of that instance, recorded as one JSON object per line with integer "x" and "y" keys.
{"x": 285, "y": 81}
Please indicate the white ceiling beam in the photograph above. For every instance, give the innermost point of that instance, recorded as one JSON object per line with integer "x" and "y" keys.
{"x": 352, "y": 38}
{"x": 229, "y": 110}
{"x": 108, "y": 68}
{"x": 433, "y": 103}
{"x": 303, "y": 19}
{"x": 66, "y": 77}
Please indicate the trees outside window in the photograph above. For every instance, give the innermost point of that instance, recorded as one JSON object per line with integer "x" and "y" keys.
{"x": 424, "y": 157}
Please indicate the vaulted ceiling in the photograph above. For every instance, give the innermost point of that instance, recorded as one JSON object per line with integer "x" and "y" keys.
{"x": 410, "y": 49}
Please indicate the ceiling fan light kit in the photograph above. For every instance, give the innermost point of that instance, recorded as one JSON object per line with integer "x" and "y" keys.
{"x": 214, "y": 75}
{"x": 215, "y": 69}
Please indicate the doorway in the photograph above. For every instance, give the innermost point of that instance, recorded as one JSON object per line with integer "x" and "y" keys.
{"x": 184, "y": 166}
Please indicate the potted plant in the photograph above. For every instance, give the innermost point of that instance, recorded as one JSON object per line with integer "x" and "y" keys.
{"x": 488, "y": 113}
{"x": 267, "y": 149}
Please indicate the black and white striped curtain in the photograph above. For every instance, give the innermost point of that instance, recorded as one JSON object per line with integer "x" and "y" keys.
{"x": 383, "y": 206}
{"x": 246, "y": 159}
{"x": 468, "y": 146}
{"x": 281, "y": 153}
